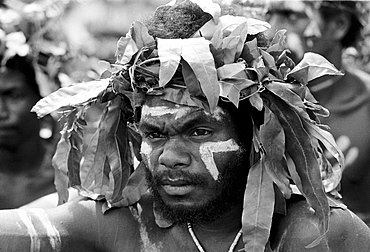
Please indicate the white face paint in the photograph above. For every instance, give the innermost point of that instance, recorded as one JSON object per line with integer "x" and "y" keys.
{"x": 146, "y": 151}
{"x": 207, "y": 149}
{"x": 178, "y": 111}
{"x": 217, "y": 114}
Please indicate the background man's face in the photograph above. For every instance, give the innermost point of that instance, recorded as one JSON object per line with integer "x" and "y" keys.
{"x": 190, "y": 156}
{"x": 17, "y": 123}
{"x": 306, "y": 30}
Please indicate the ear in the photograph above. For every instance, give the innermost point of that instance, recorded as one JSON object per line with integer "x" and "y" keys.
{"x": 340, "y": 25}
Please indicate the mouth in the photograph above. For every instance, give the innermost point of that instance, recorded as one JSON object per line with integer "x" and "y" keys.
{"x": 177, "y": 187}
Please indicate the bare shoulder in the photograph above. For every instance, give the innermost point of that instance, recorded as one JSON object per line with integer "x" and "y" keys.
{"x": 299, "y": 228}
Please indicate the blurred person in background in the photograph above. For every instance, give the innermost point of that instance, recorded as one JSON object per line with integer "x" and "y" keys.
{"x": 328, "y": 28}
{"x": 33, "y": 58}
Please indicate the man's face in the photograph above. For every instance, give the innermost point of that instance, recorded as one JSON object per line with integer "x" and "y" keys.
{"x": 192, "y": 159}
{"x": 306, "y": 29}
{"x": 17, "y": 123}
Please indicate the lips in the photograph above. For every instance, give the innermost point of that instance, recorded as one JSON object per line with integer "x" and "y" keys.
{"x": 177, "y": 186}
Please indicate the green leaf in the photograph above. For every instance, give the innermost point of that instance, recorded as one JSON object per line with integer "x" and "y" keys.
{"x": 59, "y": 163}
{"x": 327, "y": 140}
{"x": 273, "y": 139}
{"x": 75, "y": 155}
{"x": 191, "y": 81}
{"x": 86, "y": 172}
{"x": 241, "y": 31}
{"x": 135, "y": 188}
{"x": 256, "y": 26}
{"x": 126, "y": 48}
{"x": 196, "y": 53}
{"x": 183, "y": 97}
{"x": 100, "y": 163}
{"x": 256, "y": 101}
{"x": 139, "y": 33}
{"x": 74, "y": 95}
{"x": 250, "y": 51}
{"x": 268, "y": 60}
{"x": 278, "y": 42}
{"x": 230, "y": 70}
{"x": 117, "y": 149}
{"x": 259, "y": 202}
{"x": 298, "y": 146}
{"x": 231, "y": 87}
{"x": 169, "y": 52}
{"x": 283, "y": 91}
{"x": 312, "y": 66}
{"x": 229, "y": 47}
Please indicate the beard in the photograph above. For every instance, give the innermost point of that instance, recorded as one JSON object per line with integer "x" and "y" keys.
{"x": 229, "y": 193}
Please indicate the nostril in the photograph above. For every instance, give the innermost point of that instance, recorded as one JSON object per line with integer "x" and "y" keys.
{"x": 174, "y": 157}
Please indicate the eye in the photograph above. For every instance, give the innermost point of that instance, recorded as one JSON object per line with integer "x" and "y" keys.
{"x": 155, "y": 135}
{"x": 201, "y": 132}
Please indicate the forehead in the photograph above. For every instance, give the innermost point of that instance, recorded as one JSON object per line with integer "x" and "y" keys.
{"x": 158, "y": 108}
{"x": 10, "y": 79}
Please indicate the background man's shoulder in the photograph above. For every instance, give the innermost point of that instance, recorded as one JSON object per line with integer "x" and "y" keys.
{"x": 300, "y": 227}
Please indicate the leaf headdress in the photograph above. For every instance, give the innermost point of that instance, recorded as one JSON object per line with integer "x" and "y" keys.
{"x": 222, "y": 59}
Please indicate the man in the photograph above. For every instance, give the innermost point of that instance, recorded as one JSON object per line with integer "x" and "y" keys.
{"x": 213, "y": 158}
{"x": 25, "y": 157}
{"x": 328, "y": 28}
{"x": 30, "y": 64}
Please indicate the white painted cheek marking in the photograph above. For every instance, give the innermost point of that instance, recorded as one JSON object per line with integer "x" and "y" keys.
{"x": 206, "y": 151}
{"x": 35, "y": 241}
{"x": 163, "y": 110}
{"x": 146, "y": 150}
{"x": 51, "y": 230}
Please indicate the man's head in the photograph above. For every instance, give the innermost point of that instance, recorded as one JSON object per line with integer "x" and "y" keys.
{"x": 197, "y": 162}
{"x": 316, "y": 26}
{"x": 217, "y": 109}
{"x": 18, "y": 93}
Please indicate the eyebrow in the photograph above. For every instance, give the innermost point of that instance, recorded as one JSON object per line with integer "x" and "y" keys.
{"x": 193, "y": 118}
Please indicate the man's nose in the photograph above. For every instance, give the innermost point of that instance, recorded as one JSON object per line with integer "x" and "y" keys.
{"x": 175, "y": 155}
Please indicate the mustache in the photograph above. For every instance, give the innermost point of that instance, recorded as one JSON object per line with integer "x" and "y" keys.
{"x": 185, "y": 177}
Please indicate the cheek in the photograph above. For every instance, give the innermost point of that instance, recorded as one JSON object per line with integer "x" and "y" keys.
{"x": 146, "y": 152}
{"x": 225, "y": 150}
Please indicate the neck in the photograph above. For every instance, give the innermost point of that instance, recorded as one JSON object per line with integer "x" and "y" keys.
{"x": 26, "y": 158}
{"x": 227, "y": 223}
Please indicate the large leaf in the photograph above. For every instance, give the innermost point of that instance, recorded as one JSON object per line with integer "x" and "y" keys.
{"x": 190, "y": 79}
{"x": 256, "y": 26}
{"x": 259, "y": 202}
{"x": 230, "y": 70}
{"x": 135, "y": 188}
{"x": 169, "y": 52}
{"x": 278, "y": 42}
{"x": 139, "y": 33}
{"x": 70, "y": 96}
{"x": 273, "y": 138}
{"x": 230, "y": 88}
{"x": 100, "y": 162}
{"x": 86, "y": 171}
{"x": 126, "y": 48}
{"x": 312, "y": 66}
{"x": 117, "y": 149}
{"x": 298, "y": 146}
{"x": 229, "y": 47}
{"x": 75, "y": 155}
{"x": 283, "y": 91}
{"x": 327, "y": 140}
{"x": 196, "y": 52}
{"x": 59, "y": 163}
